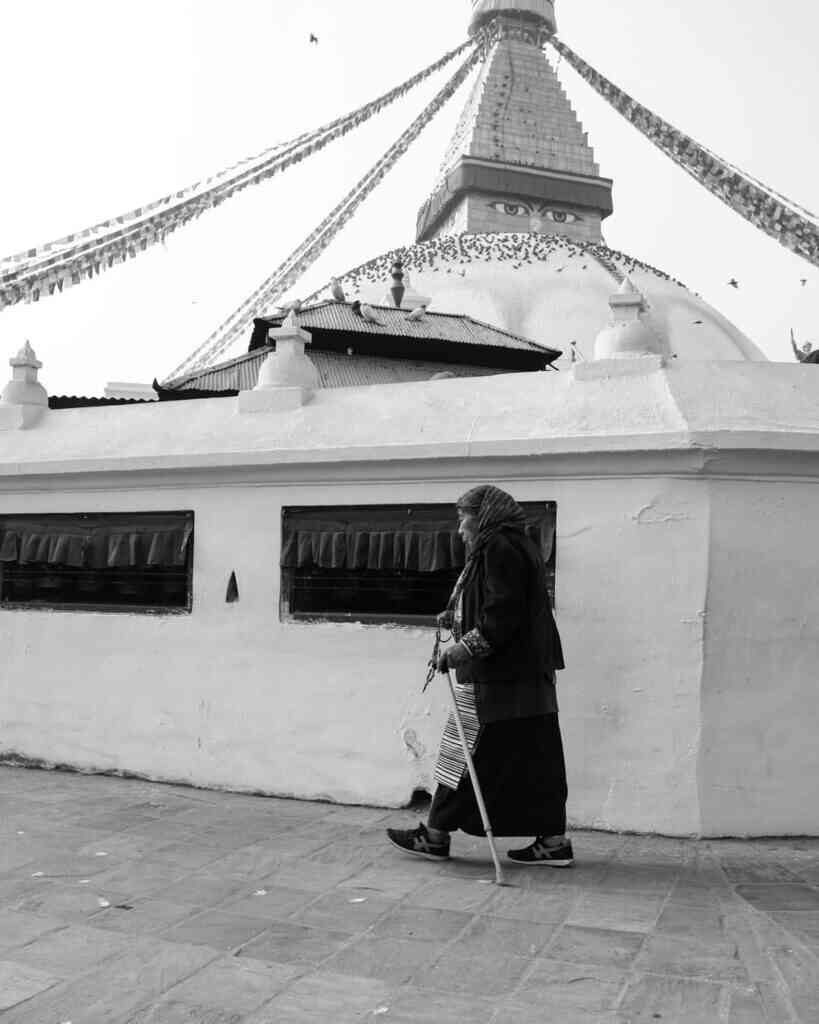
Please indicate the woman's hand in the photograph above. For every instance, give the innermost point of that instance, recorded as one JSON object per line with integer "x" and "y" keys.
{"x": 444, "y": 620}
{"x": 453, "y": 657}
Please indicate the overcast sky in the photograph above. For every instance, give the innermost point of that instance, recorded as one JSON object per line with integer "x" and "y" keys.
{"x": 107, "y": 104}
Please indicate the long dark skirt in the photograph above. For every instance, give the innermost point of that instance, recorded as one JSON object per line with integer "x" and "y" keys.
{"x": 522, "y": 775}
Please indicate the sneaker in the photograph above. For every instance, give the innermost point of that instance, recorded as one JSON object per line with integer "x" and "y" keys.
{"x": 418, "y": 842}
{"x": 538, "y": 854}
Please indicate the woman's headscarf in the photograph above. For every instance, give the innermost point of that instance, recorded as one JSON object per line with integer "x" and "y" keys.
{"x": 495, "y": 509}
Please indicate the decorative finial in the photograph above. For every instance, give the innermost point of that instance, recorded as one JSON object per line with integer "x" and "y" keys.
{"x": 539, "y": 14}
{"x": 24, "y": 391}
{"x": 630, "y": 332}
{"x": 290, "y": 320}
{"x": 398, "y": 289}
{"x": 26, "y": 357}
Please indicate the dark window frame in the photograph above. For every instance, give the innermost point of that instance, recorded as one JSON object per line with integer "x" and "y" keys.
{"x": 545, "y": 511}
{"x": 105, "y": 577}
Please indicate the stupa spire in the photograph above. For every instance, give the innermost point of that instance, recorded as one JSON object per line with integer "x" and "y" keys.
{"x": 519, "y": 159}
{"x": 535, "y": 11}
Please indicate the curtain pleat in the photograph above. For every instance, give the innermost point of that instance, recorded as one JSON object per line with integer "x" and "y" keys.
{"x": 383, "y": 539}
{"x": 91, "y": 541}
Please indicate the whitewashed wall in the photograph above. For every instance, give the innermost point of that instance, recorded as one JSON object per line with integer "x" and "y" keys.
{"x": 686, "y": 598}
{"x": 231, "y": 696}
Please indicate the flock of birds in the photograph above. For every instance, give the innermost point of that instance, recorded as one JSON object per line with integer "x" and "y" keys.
{"x": 450, "y": 254}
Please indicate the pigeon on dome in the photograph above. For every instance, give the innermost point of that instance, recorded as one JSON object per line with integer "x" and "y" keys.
{"x": 368, "y": 313}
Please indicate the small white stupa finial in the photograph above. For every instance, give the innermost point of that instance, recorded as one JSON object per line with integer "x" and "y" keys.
{"x": 629, "y": 332}
{"x": 287, "y": 377}
{"x": 24, "y": 391}
{"x": 26, "y": 357}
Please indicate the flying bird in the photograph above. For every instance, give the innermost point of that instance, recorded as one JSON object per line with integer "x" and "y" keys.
{"x": 733, "y": 283}
{"x": 696, "y": 321}
{"x": 417, "y": 314}
{"x": 368, "y": 314}
{"x": 803, "y": 281}
{"x": 313, "y": 38}
{"x": 337, "y": 291}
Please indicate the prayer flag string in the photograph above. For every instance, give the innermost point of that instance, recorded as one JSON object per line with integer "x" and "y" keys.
{"x": 31, "y": 274}
{"x": 790, "y": 224}
{"x": 289, "y": 271}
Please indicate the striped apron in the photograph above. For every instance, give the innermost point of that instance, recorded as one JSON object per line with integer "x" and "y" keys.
{"x": 451, "y": 764}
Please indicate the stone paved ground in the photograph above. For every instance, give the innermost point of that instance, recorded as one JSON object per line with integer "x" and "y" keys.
{"x": 124, "y": 902}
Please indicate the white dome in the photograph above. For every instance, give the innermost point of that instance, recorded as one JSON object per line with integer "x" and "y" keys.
{"x": 553, "y": 290}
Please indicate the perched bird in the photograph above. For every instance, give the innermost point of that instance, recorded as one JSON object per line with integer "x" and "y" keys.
{"x": 355, "y": 306}
{"x": 337, "y": 291}
{"x": 417, "y": 314}
{"x": 734, "y": 283}
{"x": 313, "y": 38}
{"x": 368, "y": 314}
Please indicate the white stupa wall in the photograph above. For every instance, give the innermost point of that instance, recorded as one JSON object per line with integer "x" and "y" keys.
{"x": 686, "y": 591}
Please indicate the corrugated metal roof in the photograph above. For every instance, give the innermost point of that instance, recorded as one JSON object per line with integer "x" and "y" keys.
{"x": 462, "y": 330}
{"x": 336, "y": 370}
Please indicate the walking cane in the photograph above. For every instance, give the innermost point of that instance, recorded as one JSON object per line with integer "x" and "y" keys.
{"x": 470, "y": 764}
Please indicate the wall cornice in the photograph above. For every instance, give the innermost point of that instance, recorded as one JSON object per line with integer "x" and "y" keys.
{"x": 484, "y": 461}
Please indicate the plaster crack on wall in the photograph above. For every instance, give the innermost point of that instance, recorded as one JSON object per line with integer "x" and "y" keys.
{"x": 649, "y": 516}
{"x": 414, "y": 746}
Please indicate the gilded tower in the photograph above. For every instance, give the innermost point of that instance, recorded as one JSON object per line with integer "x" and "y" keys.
{"x": 519, "y": 159}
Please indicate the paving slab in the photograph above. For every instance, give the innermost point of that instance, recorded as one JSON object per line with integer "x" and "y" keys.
{"x": 238, "y": 909}
{"x": 238, "y": 984}
{"x": 71, "y": 951}
{"x": 325, "y": 996}
{"x": 592, "y": 988}
{"x": 286, "y": 942}
{"x": 602, "y": 946}
{"x": 682, "y": 1000}
{"x": 496, "y": 975}
{"x": 19, "y": 927}
{"x": 19, "y": 983}
{"x": 396, "y": 961}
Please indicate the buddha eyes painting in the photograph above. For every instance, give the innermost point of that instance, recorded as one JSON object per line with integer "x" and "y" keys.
{"x": 528, "y": 208}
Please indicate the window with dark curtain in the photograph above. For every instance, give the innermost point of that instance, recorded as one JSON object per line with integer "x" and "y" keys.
{"x": 139, "y": 561}
{"x": 382, "y": 563}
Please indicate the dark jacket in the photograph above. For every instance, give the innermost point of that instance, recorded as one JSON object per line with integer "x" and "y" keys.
{"x": 506, "y": 600}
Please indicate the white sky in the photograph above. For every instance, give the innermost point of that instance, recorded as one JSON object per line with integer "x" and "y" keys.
{"x": 107, "y": 104}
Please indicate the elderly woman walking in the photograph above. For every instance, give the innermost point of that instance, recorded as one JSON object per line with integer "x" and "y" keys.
{"x": 505, "y": 658}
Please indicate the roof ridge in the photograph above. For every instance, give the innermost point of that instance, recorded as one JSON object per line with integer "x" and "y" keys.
{"x": 430, "y": 312}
